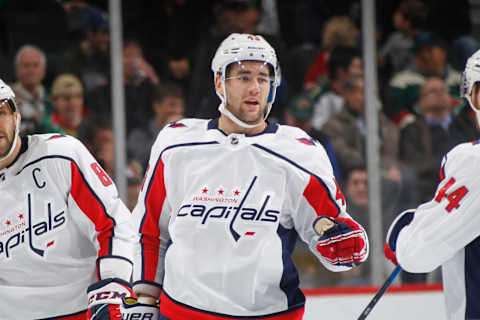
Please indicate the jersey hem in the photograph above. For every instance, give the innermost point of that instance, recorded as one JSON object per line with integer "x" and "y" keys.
{"x": 72, "y": 316}
{"x": 176, "y": 310}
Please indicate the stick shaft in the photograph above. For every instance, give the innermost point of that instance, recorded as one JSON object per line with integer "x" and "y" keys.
{"x": 380, "y": 293}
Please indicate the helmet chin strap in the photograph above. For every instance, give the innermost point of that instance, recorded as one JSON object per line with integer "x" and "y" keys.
{"x": 223, "y": 110}
{"x": 477, "y": 112}
{"x": 15, "y": 139}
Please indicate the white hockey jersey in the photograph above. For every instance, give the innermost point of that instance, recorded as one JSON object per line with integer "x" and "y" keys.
{"x": 219, "y": 216}
{"x": 62, "y": 227}
{"x": 446, "y": 230}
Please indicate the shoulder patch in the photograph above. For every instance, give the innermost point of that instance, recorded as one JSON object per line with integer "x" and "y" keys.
{"x": 307, "y": 141}
{"x": 56, "y": 137}
{"x": 442, "y": 173}
{"x": 176, "y": 125}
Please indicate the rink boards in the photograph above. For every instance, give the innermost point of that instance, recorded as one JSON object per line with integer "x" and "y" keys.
{"x": 401, "y": 302}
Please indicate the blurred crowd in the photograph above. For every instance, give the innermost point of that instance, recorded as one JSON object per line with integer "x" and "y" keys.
{"x": 55, "y": 54}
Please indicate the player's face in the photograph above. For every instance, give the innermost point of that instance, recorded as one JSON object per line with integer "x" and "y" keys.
{"x": 7, "y": 128}
{"x": 247, "y": 86}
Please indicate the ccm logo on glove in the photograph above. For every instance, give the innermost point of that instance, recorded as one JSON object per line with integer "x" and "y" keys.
{"x": 101, "y": 296}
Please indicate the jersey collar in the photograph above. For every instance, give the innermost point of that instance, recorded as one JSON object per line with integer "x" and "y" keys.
{"x": 271, "y": 128}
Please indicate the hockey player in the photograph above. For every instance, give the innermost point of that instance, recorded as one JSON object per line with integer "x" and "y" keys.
{"x": 63, "y": 229}
{"x": 224, "y": 201}
{"x": 446, "y": 230}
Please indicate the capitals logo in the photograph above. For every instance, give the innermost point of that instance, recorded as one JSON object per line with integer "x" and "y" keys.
{"x": 204, "y": 213}
{"x": 22, "y": 231}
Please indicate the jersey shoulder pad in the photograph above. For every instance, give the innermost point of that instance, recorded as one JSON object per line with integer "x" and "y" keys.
{"x": 467, "y": 149}
{"x": 182, "y": 131}
{"x": 464, "y": 157}
{"x": 296, "y": 137}
{"x": 186, "y": 124}
{"x": 302, "y": 149}
{"x": 57, "y": 144}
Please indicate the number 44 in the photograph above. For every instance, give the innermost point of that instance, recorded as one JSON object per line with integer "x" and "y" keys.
{"x": 453, "y": 197}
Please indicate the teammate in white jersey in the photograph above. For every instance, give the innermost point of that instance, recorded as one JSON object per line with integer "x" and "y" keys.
{"x": 224, "y": 201}
{"x": 63, "y": 229}
{"x": 446, "y": 230}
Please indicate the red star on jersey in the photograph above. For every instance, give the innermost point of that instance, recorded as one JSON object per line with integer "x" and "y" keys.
{"x": 204, "y": 190}
{"x": 236, "y": 192}
{"x": 8, "y": 223}
{"x": 20, "y": 216}
{"x": 220, "y": 191}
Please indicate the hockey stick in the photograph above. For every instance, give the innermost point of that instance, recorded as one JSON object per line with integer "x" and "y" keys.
{"x": 380, "y": 293}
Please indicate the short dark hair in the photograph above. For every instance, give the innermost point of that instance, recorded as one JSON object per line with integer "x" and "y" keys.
{"x": 340, "y": 58}
{"x": 167, "y": 89}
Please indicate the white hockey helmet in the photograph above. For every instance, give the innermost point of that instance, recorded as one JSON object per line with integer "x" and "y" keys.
{"x": 8, "y": 96}
{"x": 241, "y": 47}
{"x": 470, "y": 76}
{"x": 6, "y": 93}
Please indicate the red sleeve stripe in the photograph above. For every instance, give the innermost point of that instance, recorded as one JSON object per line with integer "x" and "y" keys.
{"x": 149, "y": 229}
{"x": 318, "y": 196}
{"x": 91, "y": 205}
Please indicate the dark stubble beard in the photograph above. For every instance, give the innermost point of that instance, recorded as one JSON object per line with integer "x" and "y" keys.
{"x": 243, "y": 117}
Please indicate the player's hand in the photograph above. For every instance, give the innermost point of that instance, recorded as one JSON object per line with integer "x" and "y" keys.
{"x": 398, "y": 224}
{"x": 105, "y": 298}
{"x": 341, "y": 241}
{"x": 134, "y": 309}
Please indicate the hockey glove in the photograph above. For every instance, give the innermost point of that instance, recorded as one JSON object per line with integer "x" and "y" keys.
{"x": 341, "y": 241}
{"x": 105, "y": 298}
{"x": 133, "y": 309}
{"x": 398, "y": 224}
